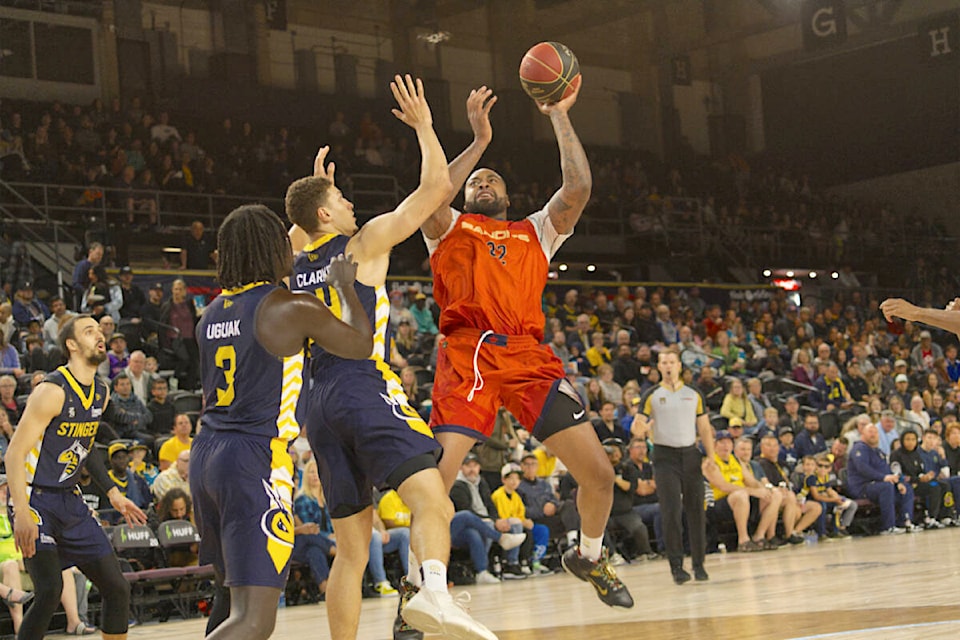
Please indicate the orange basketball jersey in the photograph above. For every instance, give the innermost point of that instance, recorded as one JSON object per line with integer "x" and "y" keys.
{"x": 489, "y": 274}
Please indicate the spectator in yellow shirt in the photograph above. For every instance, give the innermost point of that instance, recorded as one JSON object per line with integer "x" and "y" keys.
{"x": 180, "y": 441}
{"x": 510, "y": 506}
{"x": 598, "y": 353}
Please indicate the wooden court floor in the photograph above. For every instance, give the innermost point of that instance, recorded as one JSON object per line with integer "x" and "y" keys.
{"x": 897, "y": 587}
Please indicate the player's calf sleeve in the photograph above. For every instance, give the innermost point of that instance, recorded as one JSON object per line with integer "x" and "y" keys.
{"x": 44, "y": 569}
{"x": 114, "y": 591}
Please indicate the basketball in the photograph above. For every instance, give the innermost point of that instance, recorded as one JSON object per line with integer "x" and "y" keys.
{"x": 549, "y": 72}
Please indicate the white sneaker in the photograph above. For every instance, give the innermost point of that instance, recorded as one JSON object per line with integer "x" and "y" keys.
{"x": 616, "y": 560}
{"x": 911, "y": 528}
{"x": 511, "y": 540}
{"x": 893, "y": 531}
{"x": 485, "y": 577}
{"x": 438, "y": 612}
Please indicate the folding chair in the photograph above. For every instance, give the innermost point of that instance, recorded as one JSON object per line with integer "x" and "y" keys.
{"x": 152, "y": 586}
{"x": 175, "y": 538}
{"x": 187, "y": 402}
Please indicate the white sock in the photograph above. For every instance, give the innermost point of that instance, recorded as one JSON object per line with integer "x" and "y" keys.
{"x": 434, "y": 575}
{"x": 413, "y": 570}
{"x": 590, "y": 548}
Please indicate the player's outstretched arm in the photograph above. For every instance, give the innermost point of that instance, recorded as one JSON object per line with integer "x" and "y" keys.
{"x": 44, "y": 404}
{"x": 382, "y": 233}
{"x": 947, "y": 319}
{"x": 286, "y": 319}
{"x": 567, "y": 204}
{"x": 479, "y": 104}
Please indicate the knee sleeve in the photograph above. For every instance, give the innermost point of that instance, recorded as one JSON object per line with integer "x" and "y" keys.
{"x": 114, "y": 591}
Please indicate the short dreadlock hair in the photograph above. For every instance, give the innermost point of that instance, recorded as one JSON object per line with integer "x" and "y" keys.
{"x": 253, "y": 245}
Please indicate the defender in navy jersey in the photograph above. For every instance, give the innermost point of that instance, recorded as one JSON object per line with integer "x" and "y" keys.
{"x": 52, "y": 525}
{"x": 359, "y": 422}
{"x": 251, "y": 340}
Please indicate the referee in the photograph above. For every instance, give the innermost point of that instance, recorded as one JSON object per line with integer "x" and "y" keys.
{"x": 676, "y": 413}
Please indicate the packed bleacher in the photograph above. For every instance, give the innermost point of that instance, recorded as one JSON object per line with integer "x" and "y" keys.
{"x": 145, "y": 168}
{"x": 794, "y": 390}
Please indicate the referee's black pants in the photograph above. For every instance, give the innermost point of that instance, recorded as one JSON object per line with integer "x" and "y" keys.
{"x": 680, "y": 491}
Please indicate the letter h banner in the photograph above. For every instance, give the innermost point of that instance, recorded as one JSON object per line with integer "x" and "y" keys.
{"x": 824, "y": 23}
{"x": 939, "y": 38}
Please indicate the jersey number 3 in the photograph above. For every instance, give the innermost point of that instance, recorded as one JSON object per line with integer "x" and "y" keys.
{"x": 226, "y": 361}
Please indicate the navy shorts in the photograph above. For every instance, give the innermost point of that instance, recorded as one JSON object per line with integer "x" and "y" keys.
{"x": 67, "y": 526}
{"x": 364, "y": 433}
{"x": 242, "y": 488}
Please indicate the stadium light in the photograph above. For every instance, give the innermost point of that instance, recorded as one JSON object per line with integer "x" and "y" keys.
{"x": 813, "y": 274}
{"x": 562, "y": 267}
{"x": 790, "y": 274}
{"x": 767, "y": 273}
{"x": 591, "y": 268}
{"x": 834, "y": 275}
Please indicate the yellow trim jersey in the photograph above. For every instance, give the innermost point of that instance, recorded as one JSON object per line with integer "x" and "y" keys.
{"x": 56, "y": 459}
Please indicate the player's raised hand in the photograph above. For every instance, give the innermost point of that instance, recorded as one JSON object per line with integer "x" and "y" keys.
{"x": 953, "y": 305}
{"x": 343, "y": 271}
{"x": 414, "y": 110}
{"x": 562, "y": 106}
{"x": 320, "y": 168}
{"x": 479, "y": 104}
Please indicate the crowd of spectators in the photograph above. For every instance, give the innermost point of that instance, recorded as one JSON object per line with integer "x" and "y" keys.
{"x": 826, "y": 409}
{"x": 137, "y": 149}
{"x": 732, "y": 209}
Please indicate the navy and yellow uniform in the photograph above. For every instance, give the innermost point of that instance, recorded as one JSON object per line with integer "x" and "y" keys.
{"x": 241, "y": 476}
{"x": 359, "y": 421}
{"x": 53, "y": 470}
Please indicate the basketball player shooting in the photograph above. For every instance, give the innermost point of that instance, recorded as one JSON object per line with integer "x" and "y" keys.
{"x": 489, "y": 276}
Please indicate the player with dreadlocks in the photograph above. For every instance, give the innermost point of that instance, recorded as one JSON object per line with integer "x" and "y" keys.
{"x": 241, "y": 476}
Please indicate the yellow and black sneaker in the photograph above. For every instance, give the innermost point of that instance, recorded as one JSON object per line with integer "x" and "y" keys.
{"x": 601, "y": 575}
{"x": 402, "y": 630}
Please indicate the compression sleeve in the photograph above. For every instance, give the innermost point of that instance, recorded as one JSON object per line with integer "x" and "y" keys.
{"x": 98, "y": 470}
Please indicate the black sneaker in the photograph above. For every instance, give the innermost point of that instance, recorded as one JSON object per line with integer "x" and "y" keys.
{"x": 512, "y": 572}
{"x": 795, "y": 538}
{"x": 679, "y": 575}
{"x": 402, "y": 630}
{"x": 700, "y": 574}
{"x": 601, "y": 575}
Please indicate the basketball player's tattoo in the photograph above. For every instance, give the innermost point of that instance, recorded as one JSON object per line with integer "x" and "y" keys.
{"x": 567, "y": 205}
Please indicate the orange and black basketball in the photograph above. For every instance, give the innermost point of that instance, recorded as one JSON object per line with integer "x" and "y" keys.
{"x": 549, "y": 72}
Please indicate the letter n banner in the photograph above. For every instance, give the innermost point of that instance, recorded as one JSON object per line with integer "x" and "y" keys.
{"x": 824, "y": 23}
{"x": 939, "y": 38}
